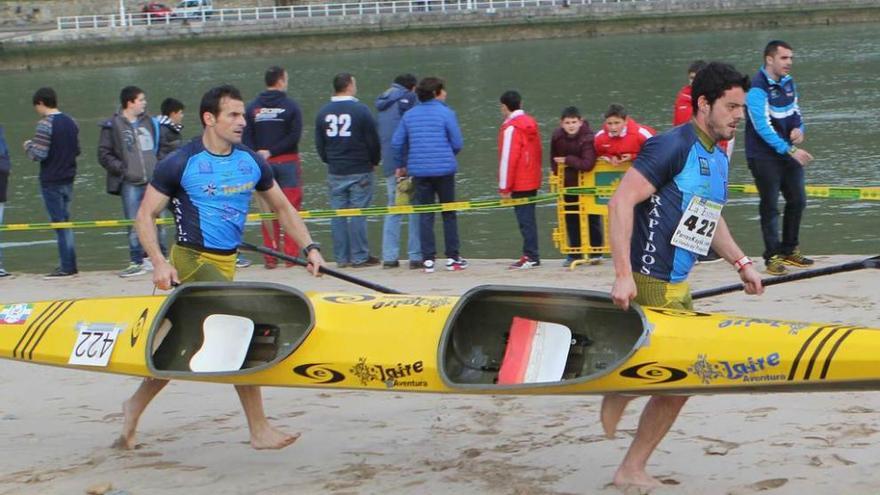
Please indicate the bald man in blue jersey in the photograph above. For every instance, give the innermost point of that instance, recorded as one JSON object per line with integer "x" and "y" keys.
{"x": 665, "y": 213}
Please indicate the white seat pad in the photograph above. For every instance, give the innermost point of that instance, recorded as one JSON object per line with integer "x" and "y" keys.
{"x": 226, "y": 342}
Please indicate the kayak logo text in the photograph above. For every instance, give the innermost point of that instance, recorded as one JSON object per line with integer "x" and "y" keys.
{"x": 653, "y": 373}
{"x": 401, "y": 375}
{"x": 752, "y": 369}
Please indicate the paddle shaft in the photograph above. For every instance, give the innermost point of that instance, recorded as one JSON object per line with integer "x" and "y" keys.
{"x": 817, "y": 272}
{"x": 323, "y": 269}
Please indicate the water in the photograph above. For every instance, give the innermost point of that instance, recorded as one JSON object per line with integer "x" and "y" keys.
{"x": 836, "y": 69}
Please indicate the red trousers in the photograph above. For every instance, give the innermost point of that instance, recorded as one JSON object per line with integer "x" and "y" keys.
{"x": 277, "y": 240}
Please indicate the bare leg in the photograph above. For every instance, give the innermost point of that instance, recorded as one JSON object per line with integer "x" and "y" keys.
{"x": 657, "y": 418}
{"x": 612, "y": 410}
{"x": 134, "y": 407}
{"x": 263, "y": 435}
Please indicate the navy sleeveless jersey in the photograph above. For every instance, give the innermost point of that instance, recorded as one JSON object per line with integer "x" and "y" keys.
{"x": 679, "y": 166}
{"x": 210, "y": 194}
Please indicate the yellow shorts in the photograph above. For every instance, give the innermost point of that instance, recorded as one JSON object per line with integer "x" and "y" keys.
{"x": 198, "y": 266}
{"x": 657, "y": 293}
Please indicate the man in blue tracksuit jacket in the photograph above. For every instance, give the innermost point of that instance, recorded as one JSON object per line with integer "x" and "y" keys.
{"x": 347, "y": 141}
{"x": 427, "y": 140}
{"x": 774, "y": 128}
{"x": 391, "y": 105}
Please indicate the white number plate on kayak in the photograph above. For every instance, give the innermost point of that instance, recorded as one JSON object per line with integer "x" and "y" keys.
{"x": 94, "y": 344}
{"x": 697, "y": 226}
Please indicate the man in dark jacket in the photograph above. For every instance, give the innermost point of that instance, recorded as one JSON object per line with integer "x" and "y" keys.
{"x": 170, "y": 127}
{"x": 572, "y": 146}
{"x": 5, "y": 166}
{"x": 391, "y": 105}
{"x": 347, "y": 141}
{"x": 56, "y": 146}
{"x": 274, "y": 128}
{"x": 127, "y": 149}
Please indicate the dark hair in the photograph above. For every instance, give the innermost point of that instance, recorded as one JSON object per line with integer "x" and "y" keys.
{"x": 47, "y": 97}
{"x": 512, "y": 100}
{"x": 408, "y": 81}
{"x": 774, "y": 45}
{"x": 429, "y": 88}
{"x": 714, "y": 80}
{"x": 211, "y": 100}
{"x": 342, "y": 81}
{"x": 273, "y": 75}
{"x": 170, "y": 105}
{"x": 696, "y": 66}
{"x": 570, "y": 113}
{"x": 615, "y": 110}
{"x": 129, "y": 94}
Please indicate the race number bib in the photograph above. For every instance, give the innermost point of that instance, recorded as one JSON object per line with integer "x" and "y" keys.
{"x": 697, "y": 226}
{"x": 94, "y": 344}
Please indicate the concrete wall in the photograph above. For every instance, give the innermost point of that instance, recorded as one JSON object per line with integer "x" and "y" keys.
{"x": 21, "y": 13}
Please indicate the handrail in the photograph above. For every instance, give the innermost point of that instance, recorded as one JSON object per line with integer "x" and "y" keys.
{"x": 309, "y": 11}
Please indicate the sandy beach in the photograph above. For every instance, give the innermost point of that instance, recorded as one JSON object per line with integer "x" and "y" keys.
{"x": 56, "y": 425}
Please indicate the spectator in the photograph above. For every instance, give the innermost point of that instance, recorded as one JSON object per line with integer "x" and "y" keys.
{"x": 170, "y": 127}
{"x": 427, "y": 140}
{"x": 621, "y": 137}
{"x": 572, "y": 146}
{"x": 519, "y": 172}
{"x": 774, "y": 128}
{"x": 391, "y": 105}
{"x": 127, "y": 149}
{"x": 5, "y": 165}
{"x": 274, "y": 128}
{"x": 347, "y": 141}
{"x": 56, "y": 146}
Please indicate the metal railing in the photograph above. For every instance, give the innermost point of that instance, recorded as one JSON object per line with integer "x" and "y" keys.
{"x": 310, "y": 11}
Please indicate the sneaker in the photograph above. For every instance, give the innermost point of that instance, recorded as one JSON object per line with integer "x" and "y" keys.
{"x": 148, "y": 265}
{"x": 268, "y": 264}
{"x": 775, "y": 266}
{"x": 595, "y": 259}
{"x": 242, "y": 262}
{"x": 340, "y": 264}
{"x": 4, "y": 273}
{"x": 133, "y": 270}
{"x": 567, "y": 262}
{"x": 524, "y": 263}
{"x": 415, "y": 264}
{"x": 456, "y": 264}
{"x": 60, "y": 274}
{"x": 390, "y": 264}
{"x": 370, "y": 261}
{"x": 428, "y": 265}
{"x": 797, "y": 259}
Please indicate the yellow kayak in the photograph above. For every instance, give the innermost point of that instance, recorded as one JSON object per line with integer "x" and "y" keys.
{"x": 493, "y": 339}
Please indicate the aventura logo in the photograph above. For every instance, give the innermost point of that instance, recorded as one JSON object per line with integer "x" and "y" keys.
{"x": 752, "y": 369}
{"x": 793, "y": 326}
{"x": 431, "y": 304}
{"x": 401, "y": 375}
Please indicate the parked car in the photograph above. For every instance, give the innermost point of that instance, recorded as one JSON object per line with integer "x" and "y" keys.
{"x": 156, "y": 11}
{"x": 193, "y": 9}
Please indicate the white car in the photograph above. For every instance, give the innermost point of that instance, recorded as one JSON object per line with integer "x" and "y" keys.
{"x": 193, "y": 9}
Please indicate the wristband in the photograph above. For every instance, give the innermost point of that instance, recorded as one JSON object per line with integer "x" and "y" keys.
{"x": 742, "y": 262}
{"x": 308, "y": 249}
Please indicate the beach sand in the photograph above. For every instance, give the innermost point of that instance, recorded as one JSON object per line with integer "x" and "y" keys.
{"x": 56, "y": 425}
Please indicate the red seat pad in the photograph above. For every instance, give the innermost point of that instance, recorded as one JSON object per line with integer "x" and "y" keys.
{"x": 519, "y": 348}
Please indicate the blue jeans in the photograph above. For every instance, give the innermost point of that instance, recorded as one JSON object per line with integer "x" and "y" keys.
{"x": 391, "y": 230}
{"x": 350, "y": 234}
{"x": 528, "y": 224}
{"x": 773, "y": 175}
{"x": 132, "y": 196}
{"x": 443, "y": 188}
{"x": 57, "y": 199}
{"x": 2, "y": 207}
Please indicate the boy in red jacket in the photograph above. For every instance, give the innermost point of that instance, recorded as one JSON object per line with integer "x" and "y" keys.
{"x": 519, "y": 171}
{"x": 621, "y": 137}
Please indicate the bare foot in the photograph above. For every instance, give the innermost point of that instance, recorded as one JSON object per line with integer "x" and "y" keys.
{"x": 612, "y": 410}
{"x": 129, "y": 426}
{"x": 625, "y": 479}
{"x": 271, "y": 438}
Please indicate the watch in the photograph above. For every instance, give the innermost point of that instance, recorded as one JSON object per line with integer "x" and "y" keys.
{"x": 792, "y": 150}
{"x": 308, "y": 249}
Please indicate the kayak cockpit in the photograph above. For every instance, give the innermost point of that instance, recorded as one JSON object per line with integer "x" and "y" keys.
{"x": 499, "y": 336}
{"x": 227, "y": 328}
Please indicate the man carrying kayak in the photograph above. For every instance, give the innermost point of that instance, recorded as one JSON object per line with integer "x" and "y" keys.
{"x": 209, "y": 183}
{"x": 666, "y": 212}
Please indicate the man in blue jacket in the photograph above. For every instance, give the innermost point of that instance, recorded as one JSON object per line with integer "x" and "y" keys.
{"x": 774, "y": 128}
{"x": 391, "y": 105}
{"x": 427, "y": 140}
{"x": 347, "y": 141}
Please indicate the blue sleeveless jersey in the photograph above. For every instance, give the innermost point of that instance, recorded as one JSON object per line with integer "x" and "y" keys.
{"x": 678, "y": 165}
{"x": 210, "y": 194}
